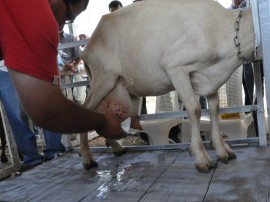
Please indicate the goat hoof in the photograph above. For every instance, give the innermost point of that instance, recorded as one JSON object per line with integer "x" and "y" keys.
{"x": 107, "y": 144}
{"x": 232, "y": 155}
{"x": 213, "y": 164}
{"x": 94, "y": 164}
{"x": 87, "y": 166}
{"x": 203, "y": 169}
{"x": 118, "y": 153}
{"x": 225, "y": 160}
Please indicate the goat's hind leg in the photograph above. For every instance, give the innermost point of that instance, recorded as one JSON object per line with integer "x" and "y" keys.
{"x": 223, "y": 150}
{"x": 117, "y": 149}
{"x": 101, "y": 86}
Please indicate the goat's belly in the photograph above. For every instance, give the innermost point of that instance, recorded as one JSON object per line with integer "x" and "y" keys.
{"x": 142, "y": 92}
{"x": 149, "y": 86}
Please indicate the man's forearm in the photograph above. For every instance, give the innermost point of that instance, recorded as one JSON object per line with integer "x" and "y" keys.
{"x": 71, "y": 118}
{"x": 47, "y": 107}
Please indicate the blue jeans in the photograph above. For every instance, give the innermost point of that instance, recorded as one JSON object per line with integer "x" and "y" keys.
{"x": 53, "y": 144}
{"x": 24, "y": 137}
{"x": 203, "y": 102}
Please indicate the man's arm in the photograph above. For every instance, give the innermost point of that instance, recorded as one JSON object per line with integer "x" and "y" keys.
{"x": 48, "y": 108}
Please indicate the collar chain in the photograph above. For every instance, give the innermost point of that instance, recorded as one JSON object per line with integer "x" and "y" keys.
{"x": 236, "y": 38}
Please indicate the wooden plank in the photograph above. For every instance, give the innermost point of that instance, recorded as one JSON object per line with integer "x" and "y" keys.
{"x": 243, "y": 179}
{"x": 180, "y": 182}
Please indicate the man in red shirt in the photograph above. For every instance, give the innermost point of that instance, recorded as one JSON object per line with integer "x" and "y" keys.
{"x": 28, "y": 44}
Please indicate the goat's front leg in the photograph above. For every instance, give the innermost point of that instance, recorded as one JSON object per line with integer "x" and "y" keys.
{"x": 203, "y": 161}
{"x": 88, "y": 159}
{"x": 182, "y": 84}
{"x": 223, "y": 150}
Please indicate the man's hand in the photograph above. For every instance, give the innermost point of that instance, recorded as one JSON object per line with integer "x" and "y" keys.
{"x": 111, "y": 128}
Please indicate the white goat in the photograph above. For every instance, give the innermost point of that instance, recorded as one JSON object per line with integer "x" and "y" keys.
{"x": 154, "y": 46}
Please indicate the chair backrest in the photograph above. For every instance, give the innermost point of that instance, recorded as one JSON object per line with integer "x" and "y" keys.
{"x": 233, "y": 90}
{"x": 231, "y": 93}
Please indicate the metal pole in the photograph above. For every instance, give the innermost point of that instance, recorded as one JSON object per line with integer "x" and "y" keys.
{"x": 264, "y": 18}
{"x": 260, "y": 108}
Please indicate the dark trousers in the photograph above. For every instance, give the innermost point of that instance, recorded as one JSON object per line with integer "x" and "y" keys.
{"x": 248, "y": 85}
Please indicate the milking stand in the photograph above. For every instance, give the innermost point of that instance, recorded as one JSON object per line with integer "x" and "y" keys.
{"x": 263, "y": 16}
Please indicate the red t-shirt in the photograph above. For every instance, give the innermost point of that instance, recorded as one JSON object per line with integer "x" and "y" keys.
{"x": 29, "y": 37}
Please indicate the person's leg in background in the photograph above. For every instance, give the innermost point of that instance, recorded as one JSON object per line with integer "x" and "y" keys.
{"x": 53, "y": 144}
{"x": 203, "y": 102}
{"x": 144, "y": 109}
{"x": 52, "y": 140}
{"x": 24, "y": 137}
{"x": 248, "y": 85}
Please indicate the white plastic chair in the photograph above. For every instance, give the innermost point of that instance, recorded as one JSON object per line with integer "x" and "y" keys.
{"x": 158, "y": 130}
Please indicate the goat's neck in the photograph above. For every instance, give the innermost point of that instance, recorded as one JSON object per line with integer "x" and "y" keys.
{"x": 247, "y": 35}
